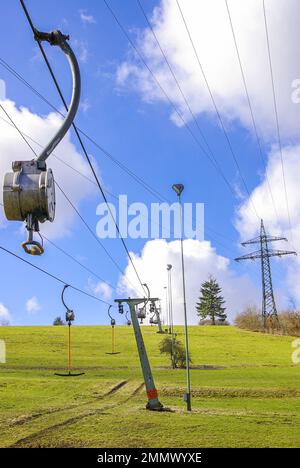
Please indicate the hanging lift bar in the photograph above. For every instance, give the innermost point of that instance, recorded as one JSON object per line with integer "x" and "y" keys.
{"x": 29, "y": 190}
{"x": 113, "y": 339}
{"x": 70, "y": 317}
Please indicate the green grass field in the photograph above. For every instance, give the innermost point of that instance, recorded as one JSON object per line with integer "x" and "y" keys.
{"x": 248, "y": 397}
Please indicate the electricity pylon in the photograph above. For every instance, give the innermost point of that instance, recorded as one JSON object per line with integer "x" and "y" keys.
{"x": 268, "y": 301}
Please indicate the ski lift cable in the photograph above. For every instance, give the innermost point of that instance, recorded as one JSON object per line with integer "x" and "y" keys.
{"x": 77, "y": 261}
{"x": 157, "y": 195}
{"x": 92, "y": 232}
{"x": 23, "y": 134}
{"x": 122, "y": 166}
{"x": 81, "y": 143}
{"x": 69, "y": 201}
{"x": 52, "y": 275}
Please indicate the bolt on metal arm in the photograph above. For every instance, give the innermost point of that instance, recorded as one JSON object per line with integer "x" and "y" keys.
{"x": 56, "y": 38}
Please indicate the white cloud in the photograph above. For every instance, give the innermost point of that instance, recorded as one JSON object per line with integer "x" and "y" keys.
{"x": 82, "y": 51}
{"x": 201, "y": 260}
{"x": 101, "y": 289}
{"x": 86, "y": 18}
{"x": 248, "y": 224}
{"x": 41, "y": 129}
{"x": 5, "y": 316}
{"x": 2, "y": 90}
{"x": 85, "y": 105}
{"x": 209, "y": 26}
{"x": 33, "y": 305}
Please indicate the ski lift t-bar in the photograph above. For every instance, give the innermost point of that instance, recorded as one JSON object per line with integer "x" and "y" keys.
{"x": 29, "y": 191}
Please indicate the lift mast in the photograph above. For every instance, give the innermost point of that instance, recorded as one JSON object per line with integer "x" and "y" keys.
{"x": 153, "y": 401}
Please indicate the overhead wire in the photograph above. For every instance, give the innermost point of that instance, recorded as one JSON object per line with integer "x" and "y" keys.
{"x": 83, "y": 147}
{"x": 155, "y": 193}
{"x": 52, "y": 275}
{"x": 254, "y": 125}
{"x": 180, "y": 116}
{"x": 90, "y": 180}
{"x": 69, "y": 201}
{"x": 277, "y": 119}
{"x": 118, "y": 163}
{"x": 231, "y": 150}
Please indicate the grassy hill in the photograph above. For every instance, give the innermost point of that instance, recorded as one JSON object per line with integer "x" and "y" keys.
{"x": 245, "y": 390}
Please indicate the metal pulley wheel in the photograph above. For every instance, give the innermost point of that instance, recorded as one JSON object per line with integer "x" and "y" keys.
{"x": 29, "y": 191}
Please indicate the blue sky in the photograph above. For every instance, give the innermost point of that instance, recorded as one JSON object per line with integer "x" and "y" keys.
{"x": 138, "y": 133}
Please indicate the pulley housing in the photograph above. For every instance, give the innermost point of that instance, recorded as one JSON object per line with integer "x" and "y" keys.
{"x": 29, "y": 189}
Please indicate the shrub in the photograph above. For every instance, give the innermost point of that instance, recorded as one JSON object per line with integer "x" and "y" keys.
{"x": 58, "y": 321}
{"x": 217, "y": 322}
{"x": 176, "y": 352}
{"x": 288, "y": 323}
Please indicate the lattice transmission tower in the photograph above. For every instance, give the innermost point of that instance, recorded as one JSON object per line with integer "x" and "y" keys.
{"x": 264, "y": 254}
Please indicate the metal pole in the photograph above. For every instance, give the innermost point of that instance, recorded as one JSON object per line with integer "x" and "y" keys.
{"x": 113, "y": 339}
{"x": 169, "y": 268}
{"x": 178, "y": 188}
{"x": 153, "y": 401}
{"x": 166, "y": 298}
{"x": 69, "y": 348}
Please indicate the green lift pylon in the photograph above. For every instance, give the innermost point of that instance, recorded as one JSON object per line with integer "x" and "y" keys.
{"x": 153, "y": 402}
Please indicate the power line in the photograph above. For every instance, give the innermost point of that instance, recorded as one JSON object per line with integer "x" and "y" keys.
{"x": 81, "y": 144}
{"x": 73, "y": 206}
{"x": 17, "y": 128}
{"x": 90, "y": 229}
{"x": 118, "y": 163}
{"x": 250, "y": 106}
{"x": 69, "y": 201}
{"x": 277, "y": 118}
{"x": 76, "y": 261}
{"x": 52, "y": 276}
{"x": 28, "y": 137}
{"x": 216, "y": 109}
{"x": 187, "y": 127}
{"x": 182, "y": 94}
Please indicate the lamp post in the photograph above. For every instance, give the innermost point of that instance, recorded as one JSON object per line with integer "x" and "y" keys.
{"x": 171, "y": 329}
{"x": 167, "y": 307}
{"x": 169, "y": 268}
{"x": 178, "y": 189}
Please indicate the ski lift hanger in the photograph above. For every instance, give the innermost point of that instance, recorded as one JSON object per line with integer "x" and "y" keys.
{"x": 29, "y": 190}
{"x": 70, "y": 317}
{"x": 112, "y": 320}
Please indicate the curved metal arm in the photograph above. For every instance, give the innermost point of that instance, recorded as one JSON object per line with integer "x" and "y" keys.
{"x": 58, "y": 39}
{"x": 62, "y": 296}
{"x": 148, "y": 292}
{"x": 111, "y": 318}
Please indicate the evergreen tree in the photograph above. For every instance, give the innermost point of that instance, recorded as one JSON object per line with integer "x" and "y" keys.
{"x": 211, "y": 302}
{"x": 58, "y": 321}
